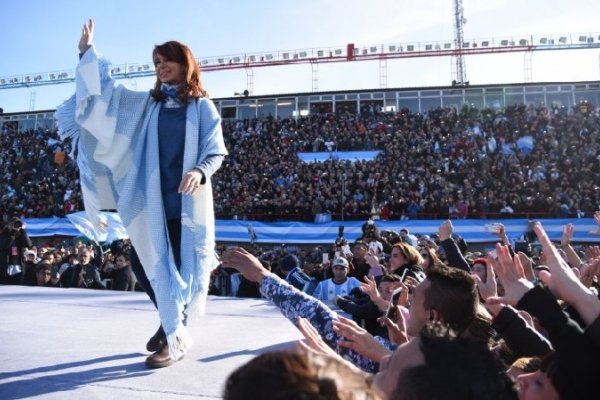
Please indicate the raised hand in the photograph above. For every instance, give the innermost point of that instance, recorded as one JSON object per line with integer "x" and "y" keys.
{"x": 588, "y": 272}
{"x": 567, "y": 235}
{"x": 592, "y": 253}
{"x": 562, "y": 280}
{"x": 397, "y": 328}
{"x": 87, "y": 36}
{"x": 597, "y": 219}
{"x": 511, "y": 276}
{"x": 312, "y": 338}
{"x": 314, "y": 343}
{"x": 358, "y": 339}
{"x": 527, "y": 267}
{"x": 246, "y": 263}
{"x": 489, "y": 288}
{"x": 370, "y": 288}
{"x": 445, "y": 230}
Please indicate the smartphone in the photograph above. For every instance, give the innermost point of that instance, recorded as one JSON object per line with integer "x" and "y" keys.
{"x": 492, "y": 228}
{"x": 325, "y": 258}
{"x": 346, "y": 249}
{"x": 392, "y": 309}
{"x": 403, "y": 274}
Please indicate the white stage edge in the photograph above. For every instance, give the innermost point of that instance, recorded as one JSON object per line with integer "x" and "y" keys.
{"x": 90, "y": 344}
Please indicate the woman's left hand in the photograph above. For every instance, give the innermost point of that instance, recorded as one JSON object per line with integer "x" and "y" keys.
{"x": 191, "y": 181}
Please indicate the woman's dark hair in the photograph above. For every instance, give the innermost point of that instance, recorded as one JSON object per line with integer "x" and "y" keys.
{"x": 410, "y": 253}
{"x": 286, "y": 375}
{"x": 434, "y": 260}
{"x": 564, "y": 378}
{"x": 180, "y": 53}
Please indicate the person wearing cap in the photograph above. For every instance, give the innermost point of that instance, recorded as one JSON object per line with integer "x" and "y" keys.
{"x": 339, "y": 285}
{"x": 29, "y": 264}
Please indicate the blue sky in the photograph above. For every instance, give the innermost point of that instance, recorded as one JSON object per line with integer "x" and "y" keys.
{"x": 41, "y": 36}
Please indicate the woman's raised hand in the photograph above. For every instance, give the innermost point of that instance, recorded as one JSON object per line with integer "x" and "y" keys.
{"x": 87, "y": 36}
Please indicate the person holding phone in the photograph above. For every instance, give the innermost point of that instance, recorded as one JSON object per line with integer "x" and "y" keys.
{"x": 405, "y": 260}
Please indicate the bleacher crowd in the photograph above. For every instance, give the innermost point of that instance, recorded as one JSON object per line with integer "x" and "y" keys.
{"x": 527, "y": 161}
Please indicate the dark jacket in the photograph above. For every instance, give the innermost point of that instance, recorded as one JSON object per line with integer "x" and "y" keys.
{"x": 577, "y": 353}
{"x": 519, "y": 336}
{"x": 454, "y": 257}
{"x": 364, "y": 312}
{"x": 12, "y": 244}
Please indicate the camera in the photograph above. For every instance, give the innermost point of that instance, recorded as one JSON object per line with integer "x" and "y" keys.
{"x": 340, "y": 241}
{"x": 16, "y": 225}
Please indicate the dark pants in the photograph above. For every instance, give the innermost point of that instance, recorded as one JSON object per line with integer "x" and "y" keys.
{"x": 174, "y": 229}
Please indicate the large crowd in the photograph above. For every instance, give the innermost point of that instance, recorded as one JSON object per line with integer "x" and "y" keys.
{"x": 443, "y": 163}
{"x": 506, "y": 325}
{"x": 524, "y": 161}
{"x": 446, "y": 163}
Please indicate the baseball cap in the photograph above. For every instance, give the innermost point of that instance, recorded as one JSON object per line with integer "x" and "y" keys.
{"x": 340, "y": 261}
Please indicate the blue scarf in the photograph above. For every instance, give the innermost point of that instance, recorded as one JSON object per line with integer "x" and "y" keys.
{"x": 170, "y": 93}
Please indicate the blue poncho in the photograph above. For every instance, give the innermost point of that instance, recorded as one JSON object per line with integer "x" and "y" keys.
{"x": 116, "y": 136}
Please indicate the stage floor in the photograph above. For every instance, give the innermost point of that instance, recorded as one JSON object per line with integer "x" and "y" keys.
{"x": 90, "y": 344}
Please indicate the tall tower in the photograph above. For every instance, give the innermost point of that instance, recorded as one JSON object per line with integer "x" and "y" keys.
{"x": 460, "y": 72}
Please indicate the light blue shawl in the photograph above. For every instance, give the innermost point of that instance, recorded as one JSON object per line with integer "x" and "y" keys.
{"x": 116, "y": 136}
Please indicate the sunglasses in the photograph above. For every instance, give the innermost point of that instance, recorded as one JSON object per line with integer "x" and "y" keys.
{"x": 339, "y": 267}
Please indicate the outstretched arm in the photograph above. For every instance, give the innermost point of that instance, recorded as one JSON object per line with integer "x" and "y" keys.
{"x": 563, "y": 283}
